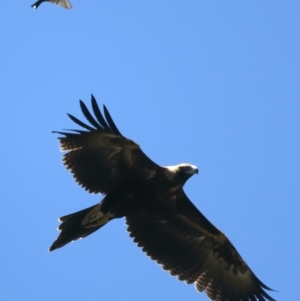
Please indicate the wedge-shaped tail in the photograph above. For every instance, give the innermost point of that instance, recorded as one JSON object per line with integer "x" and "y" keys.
{"x": 79, "y": 225}
{"x": 62, "y": 3}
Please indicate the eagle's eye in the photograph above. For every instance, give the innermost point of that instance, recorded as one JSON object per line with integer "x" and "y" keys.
{"x": 189, "y": 169}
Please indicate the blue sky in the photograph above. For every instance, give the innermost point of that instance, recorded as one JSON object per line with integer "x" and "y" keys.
{"x": 212, "y": 83}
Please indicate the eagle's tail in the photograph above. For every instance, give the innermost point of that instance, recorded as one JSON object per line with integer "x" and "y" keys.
{"x": 80, "y": 224}
{"x": 63, "y": 3}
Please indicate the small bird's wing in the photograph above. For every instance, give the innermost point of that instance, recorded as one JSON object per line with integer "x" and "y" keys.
{"x": 187, "y": 245}
{"x": 100, "y": 157}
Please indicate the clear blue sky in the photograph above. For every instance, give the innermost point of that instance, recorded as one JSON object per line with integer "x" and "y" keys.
{"x": 212, "y": 83}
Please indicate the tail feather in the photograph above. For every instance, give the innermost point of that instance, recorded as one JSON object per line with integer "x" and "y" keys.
{"x": 63, "y": 3}
{"x": 79, "y": 225}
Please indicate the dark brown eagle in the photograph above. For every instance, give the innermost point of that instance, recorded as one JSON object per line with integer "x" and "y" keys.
{"x": 62, "y": 3}
{"x": 160, "y": 217}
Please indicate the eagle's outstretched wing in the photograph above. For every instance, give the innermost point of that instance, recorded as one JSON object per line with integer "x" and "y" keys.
{"x": 186, "y": 244}
{"x": 100, "y": 157}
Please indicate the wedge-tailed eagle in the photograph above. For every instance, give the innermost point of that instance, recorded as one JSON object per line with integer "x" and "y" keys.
{"x": 62, "y": 3}
{"x": 160, "y": 217}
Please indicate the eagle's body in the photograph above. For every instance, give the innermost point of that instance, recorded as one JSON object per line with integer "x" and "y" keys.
{"x": 160, "y": 217}
{"x": 62, "y": 3}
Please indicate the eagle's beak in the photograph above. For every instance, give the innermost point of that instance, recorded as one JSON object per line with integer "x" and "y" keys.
{"x": 193, "y": 170}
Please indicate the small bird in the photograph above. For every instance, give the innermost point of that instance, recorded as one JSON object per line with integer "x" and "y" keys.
{"x": 160, "y": 217}
{"x": 63, "y": 3}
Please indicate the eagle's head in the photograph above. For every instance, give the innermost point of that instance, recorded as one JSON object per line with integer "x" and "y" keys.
{"x": 181, "y": 173}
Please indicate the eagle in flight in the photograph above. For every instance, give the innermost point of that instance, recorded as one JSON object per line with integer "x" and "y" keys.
{"x": 159, "y": 216}
{"x": 62, "y": 3}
